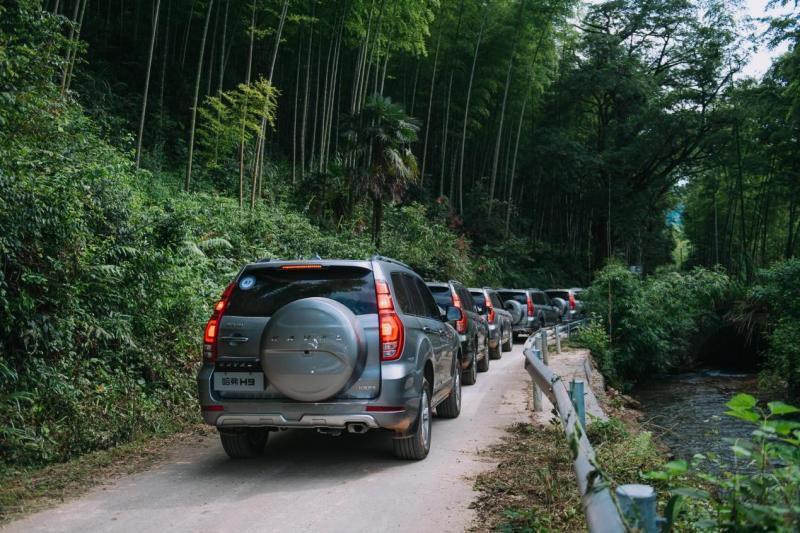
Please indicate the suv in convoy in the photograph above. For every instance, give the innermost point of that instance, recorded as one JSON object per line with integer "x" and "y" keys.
{"x": 520, "y": 305}
{"x": 490, "y": 306}
{"x": 333, "y": 345}
{"x": 547, "y": 312}
{"x": 472, "y": 329}
{"x": 530, "y": 309}
{"x": 567, "y": 300}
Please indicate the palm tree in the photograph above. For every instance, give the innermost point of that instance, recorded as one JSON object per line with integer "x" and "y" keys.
{"x": 378, "y": 139}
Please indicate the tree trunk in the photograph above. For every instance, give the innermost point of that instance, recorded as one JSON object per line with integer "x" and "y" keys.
{"x": 444, "y": 140}
{"x": 493, "y": 179}
{"x": 188, "y": 180}
{"x": 188, "y": 32}
{"x": 428, "y": 118}
{"x": 514, "y": 167}
{"x": 466, "y": 120}
{"x": 73, "y": 55}
{"x": 222, "y": 49}
{"x": 147, "y": 84}
{"x": 165, "y": 54}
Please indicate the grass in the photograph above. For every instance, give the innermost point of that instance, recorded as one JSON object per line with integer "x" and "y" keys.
{"x": 28, "y": 490}
{"x": 533, "y": 488}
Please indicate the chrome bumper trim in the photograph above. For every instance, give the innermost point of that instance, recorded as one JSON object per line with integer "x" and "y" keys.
{"x": 306, "y": 421}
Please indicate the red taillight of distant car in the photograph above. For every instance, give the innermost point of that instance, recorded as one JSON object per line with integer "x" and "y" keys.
{"x": 461, "y": 323}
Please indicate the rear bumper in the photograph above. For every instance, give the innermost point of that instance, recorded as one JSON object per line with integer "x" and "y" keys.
{"x": 400, "y": 386}
{"x": 527, "y": 327}
{"x": 494, "y": 336}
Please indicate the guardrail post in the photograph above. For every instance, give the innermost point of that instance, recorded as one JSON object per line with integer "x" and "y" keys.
{"x": 576, "y": 394}
{"x": 638, "y": 505}
{"x": 537, "y": 392}
{"x": 558, "y": 339}
{"x": 545, "y": 355}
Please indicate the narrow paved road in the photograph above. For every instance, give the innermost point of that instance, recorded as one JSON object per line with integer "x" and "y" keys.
{"x": 311, "y": 482}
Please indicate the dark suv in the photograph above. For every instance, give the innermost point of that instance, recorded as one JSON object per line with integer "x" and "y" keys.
{"x": 472, "y": 328}
{"x": 334, "y": 345}
{"x": 520, "y": 305}
{"x": 497, "y": 317}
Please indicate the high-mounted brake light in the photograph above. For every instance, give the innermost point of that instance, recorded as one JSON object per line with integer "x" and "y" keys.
{"x": 461, "y": 323}
{"x": 390, "y": 327}
{"x": 571, "y": 302}
{"x": 488, "y": 303}
{"x": 530, "y": 306}
{"x": 301, "y": 267}
{"x": 212, "y": 326}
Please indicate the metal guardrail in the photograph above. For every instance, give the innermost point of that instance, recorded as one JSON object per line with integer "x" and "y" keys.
{"x": 634, "y": 506}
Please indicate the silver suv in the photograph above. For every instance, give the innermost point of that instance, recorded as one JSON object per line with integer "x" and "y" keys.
{"x": 332, "y": 345}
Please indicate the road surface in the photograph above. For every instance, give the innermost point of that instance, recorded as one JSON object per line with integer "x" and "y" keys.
{"x": 311, "y": 482}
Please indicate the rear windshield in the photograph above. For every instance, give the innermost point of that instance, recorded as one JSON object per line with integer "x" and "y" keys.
{"x": 480, "y": 300}
{"x": 518, "y": 296}
{"x": 442, "y": 295}
{"x": 564, "y": 295}
{"x": 261, "y": 292}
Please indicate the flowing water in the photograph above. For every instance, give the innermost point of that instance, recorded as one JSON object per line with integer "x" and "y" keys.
{"x": 687, "y": 410}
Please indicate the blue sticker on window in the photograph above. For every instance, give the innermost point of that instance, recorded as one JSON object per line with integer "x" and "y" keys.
{"x": 247, "y": 283}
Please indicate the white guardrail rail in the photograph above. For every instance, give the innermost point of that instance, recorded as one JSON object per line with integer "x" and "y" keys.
{"x": 633, "y": 507}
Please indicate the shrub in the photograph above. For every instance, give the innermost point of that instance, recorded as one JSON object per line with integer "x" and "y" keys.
{"x": 777, "y": 297}
{"x": 652, "y": 319}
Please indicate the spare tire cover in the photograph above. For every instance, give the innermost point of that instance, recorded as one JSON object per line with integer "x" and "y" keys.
{"x": 516, "y": 311}
{"x": 311, "y": 348}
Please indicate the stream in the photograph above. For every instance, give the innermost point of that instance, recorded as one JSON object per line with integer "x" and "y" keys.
{"x": 686, "y": 411}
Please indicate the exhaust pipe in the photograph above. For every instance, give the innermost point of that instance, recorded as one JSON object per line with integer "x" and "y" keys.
{"x": 357, "y": 427}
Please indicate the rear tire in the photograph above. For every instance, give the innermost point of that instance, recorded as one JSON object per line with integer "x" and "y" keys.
{"x": 507, "y": 345}
{"x": 417, "y": 444}
{"x": 470, "y": 375}
{"x": 483, "y": 364}
{"x": 243, "y": 443}
{"x": 494, "y": 353}
{"x": 451, "y": 406}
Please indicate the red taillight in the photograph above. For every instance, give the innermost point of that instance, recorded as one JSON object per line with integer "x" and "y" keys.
{"x": 461, "y": 323}
{"x": 212, "y": 326}
{"x": 571, "y": 302}
{"x": 389, "y": 324}
{"x": 488, "y": 303}
{"x": 212, "y": 408}
{"x": 530, "y": 306}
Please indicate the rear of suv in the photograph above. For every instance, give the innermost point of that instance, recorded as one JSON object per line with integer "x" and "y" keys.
{"x": 490, "y": 306}
{"x": 472, "y": 328}
{"x": 332, "y": 345}
{"x": 520, "y": 305}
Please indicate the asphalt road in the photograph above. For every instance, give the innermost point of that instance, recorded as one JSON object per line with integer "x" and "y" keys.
{"x": 311, "y": 482}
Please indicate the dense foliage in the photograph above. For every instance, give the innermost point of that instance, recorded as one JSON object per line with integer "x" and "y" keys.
{"x": 646, "y": 325}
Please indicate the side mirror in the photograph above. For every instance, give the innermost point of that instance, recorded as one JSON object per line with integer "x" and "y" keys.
{"x": 453, "y": 314}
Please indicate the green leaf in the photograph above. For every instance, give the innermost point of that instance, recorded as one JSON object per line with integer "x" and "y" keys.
{"x": 741, "y": 401}
{"x": 675, "y": 468}
{"x": 780, "y": 408}
{"x": 741, "y": 452}
{"x": 688, "y": 492}
{"x": 750, "y": 416}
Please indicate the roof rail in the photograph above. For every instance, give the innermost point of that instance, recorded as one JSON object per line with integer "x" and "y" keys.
{"x": 264, "y": 260}
{"x": 378, "y": 257}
